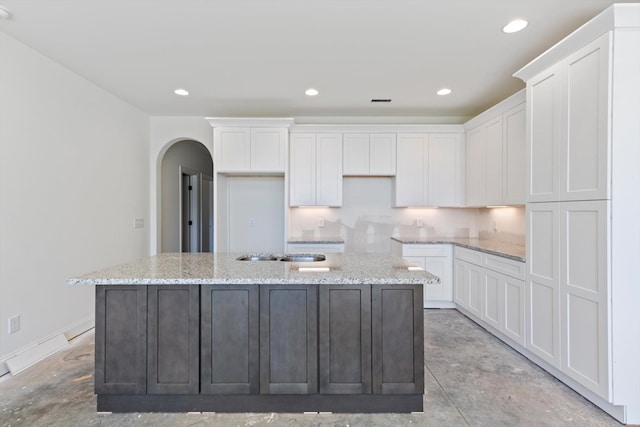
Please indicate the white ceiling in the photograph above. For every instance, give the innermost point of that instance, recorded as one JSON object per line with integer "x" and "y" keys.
{"x": 256, "y": 57}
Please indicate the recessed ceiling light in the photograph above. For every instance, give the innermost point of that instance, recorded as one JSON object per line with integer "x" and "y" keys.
{"x": 444, "y": 91}
{"x": 311, "y": 92}
{"x": 515, "y": 26}
{"x": 5, "y": 13}
{"x": 181, "y": 92}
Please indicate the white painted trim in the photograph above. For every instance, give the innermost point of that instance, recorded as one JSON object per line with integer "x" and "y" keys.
{"x": 502, "y": 107}
{"x": 615, "y": 17}
{"x": 35, "y": 351}
{"x": 349, "y": 128}
{"x": 263, "y": 122}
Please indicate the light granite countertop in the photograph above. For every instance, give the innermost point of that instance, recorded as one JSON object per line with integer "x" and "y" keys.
{"x": 223, "y": 269}
{"x": 494, "y": 247}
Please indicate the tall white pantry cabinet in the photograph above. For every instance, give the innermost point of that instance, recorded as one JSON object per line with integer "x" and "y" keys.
{"x": 583, "y": 210}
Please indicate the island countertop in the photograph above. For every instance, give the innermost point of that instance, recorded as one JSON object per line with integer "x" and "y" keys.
{"x": 224, "y": 269}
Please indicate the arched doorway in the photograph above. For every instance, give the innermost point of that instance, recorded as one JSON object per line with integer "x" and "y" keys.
{"x": 186, "y": 198}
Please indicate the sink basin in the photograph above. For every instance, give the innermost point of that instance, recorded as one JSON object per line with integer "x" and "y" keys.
{"x": 286, "y": 257}
{"x": 254, "y": 257}
{"x": 303, "y": 257}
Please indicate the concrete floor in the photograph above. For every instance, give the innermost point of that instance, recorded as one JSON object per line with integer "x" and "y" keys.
{"x": 471, "y": 379}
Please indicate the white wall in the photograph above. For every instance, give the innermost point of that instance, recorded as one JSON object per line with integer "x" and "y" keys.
{"x": 74, "y": 171}
{"x": 510, "y": 224}
{"x": 188, "y": 154}
{"x": 164, "y": 132}
{"x": 366, "y": 221}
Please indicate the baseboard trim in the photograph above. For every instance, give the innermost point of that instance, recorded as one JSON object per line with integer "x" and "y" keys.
{"x": 299, "y": 403}
{"x": 22, "y": 359}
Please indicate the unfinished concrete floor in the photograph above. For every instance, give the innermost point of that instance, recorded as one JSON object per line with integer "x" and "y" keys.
{"x": 471, "y": 379}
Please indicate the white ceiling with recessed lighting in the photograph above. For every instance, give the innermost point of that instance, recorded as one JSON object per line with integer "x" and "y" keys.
{"x": 257, "y": 57}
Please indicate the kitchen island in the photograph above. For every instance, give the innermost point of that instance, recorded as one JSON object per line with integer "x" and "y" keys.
{"x": 209, "y": 333}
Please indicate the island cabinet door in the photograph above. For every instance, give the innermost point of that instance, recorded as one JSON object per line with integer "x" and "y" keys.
{"x": 345, "y": 339}
{"x": 288, "y": 339}
{"x": 397, "y": 339}
{"x": 173, "y": 339}
{"x": 121, "y": 338}
{"x": 229, "y": 328}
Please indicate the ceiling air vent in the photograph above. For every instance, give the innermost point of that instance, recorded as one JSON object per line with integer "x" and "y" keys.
{"x": 380, "y": 100}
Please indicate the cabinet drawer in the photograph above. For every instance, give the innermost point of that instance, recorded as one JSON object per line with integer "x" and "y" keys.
{"x": 469, "y": 255}
{"x": 505, "y": 266}
{"x": 426, "y": 250}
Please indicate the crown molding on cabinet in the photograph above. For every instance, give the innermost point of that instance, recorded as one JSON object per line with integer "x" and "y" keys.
{"x": 505, "y": 105}
{"x": 617, "y": 16}
{"x": 372, "y": 128}
{"x": 262, "y": 122}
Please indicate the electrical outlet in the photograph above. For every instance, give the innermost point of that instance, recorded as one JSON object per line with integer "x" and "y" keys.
{"x": 419, "y": 223}
{"x": 138, "y": 223}
{"x": 494, "y": 225}
{"x": 321, "y": 223}
{"x": 252, "y": 222}
{"x": 14, "y": 324}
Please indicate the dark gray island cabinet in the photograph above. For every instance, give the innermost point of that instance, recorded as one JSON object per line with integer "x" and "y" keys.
{"x": 259, "y": 348}
{"x": 308, "y": 345}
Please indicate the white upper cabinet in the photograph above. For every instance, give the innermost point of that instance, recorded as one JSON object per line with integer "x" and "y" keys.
{"x": 250, "y": 149}
{"x": 543, "y": 142}
{"x": 316, "y": 169}
{"x": 369, "y": 154}
{"x": 568, "y": 145}
{"x": 268, "y": 149}
{"x": 411, "y": 177}
{"x": 514, "y": 155}
{"x": 355, "y": 154}
{"x": 585, "y": 123}
{"x": 429, "y": 170}
{"x": 382, "y": 154}
{"x": 495, "y": 155}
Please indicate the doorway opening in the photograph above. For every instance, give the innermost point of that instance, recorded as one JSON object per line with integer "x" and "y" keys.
{"x": 186, "y": 198}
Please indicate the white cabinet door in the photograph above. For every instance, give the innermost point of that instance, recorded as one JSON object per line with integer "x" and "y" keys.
{"x": 445, "y": 170}
{"x": 513, "y": 309}
{"x": 514, "y": 154}
{"x": 329, "y": 169}
{"x": 476, "y": 175}
{"x": 268, "y": 149}
{"x": 232, "y": 149}
{"x": 493, "y": 162}
{"x": 543, "y": 336}
{"x": 355, "y": 150}
{"x": 410, "y": 181}
{"x": 585, "y": 121}
{"x": 543, "y": 141}
{"x": 492, "y": 293}
{"x": 584, "y": 294}
{"x": 302, "y": 179}
{"x": 316, "y": 169}
{"x": 382, "y": 154}
{"x": 460, "y": 287}
{"x": 474, "y": 286}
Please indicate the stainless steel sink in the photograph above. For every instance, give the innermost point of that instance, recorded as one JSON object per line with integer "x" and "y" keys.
{"x": 303, "y": 258}
{"x": 285, "y": 257}
{"x": 257, "y": 257}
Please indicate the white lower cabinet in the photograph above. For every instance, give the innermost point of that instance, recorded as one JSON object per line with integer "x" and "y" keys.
{"x": 436, "y": 259}
{"x": 490, "y": 289}
{"x": 568, "y": 295}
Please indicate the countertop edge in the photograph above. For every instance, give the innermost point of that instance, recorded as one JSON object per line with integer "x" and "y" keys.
{"x": 409, "y": 241}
